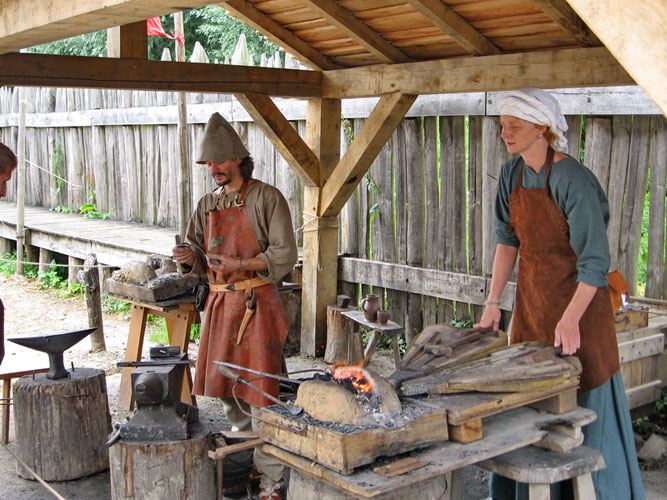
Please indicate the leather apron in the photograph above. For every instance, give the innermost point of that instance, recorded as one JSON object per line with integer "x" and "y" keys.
{"x": 547, "y": 282}
{"x": 228, "y": 232}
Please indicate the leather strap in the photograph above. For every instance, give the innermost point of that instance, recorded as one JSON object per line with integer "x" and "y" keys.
{"x": 239, "y": 285}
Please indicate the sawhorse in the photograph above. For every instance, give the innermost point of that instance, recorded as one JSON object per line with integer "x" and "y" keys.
{"x": 179, "y": 315}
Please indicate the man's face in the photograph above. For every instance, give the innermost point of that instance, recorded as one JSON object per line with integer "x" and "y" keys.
{"x": 224, "y": 172}
{"x": 4, "y": 178}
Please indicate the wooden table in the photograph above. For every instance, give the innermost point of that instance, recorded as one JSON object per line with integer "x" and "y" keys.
{"x": 180, "y": 315}
{"x": 503, "y": 433}
{"x": 391, "y": 329}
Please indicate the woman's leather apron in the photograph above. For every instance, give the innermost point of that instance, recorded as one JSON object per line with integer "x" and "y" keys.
{"x": 228, "y": 232}
{"x": 547, "y": 282}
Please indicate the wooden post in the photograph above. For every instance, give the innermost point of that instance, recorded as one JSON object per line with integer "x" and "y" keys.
{"x": 320, "y": 235}
{"x": 20, "y": 186}
{"x": 74, "y": 266}
{"x": 90, "y": 277}
{"x": 45, "y": 258}
{"x": 343, "y": 343}
{"x": 185, "y": 204}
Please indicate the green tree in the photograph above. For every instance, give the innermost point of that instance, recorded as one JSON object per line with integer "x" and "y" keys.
{"x": 211, "y": 26}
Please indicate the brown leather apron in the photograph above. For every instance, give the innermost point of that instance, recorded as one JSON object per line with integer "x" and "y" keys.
{"x": 228, "y": 232}
{"x": 547, "y": 282}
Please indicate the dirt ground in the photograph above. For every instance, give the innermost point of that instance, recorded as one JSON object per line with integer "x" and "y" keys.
{"x": 32, "y": 311}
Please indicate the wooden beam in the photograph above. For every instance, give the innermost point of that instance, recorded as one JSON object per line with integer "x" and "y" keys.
{"x": 320, "y": 235}
{"x": 25, "y": 23}
{"x": 356, "y": 29}
{"x": 563, "y": 15}
{"x": 455, "y": 26}
{"x": 364, "y": 149}
{"x": 247, "y": 13}
{"x": 584, "y": 67}
{"x": 430, "y": 282}
{"x": 97, "y": 72}
{"x": 134, "y": 41}
{"x": 282, "y": 135}
{"x": 634, "y": 32}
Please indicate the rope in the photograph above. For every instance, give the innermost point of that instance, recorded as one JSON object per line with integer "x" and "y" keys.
{"x": 54, "y": 264}
{"x": 317, "y": 227}
{"x": 41, "y": 481}
{"x": 75, "y": 186}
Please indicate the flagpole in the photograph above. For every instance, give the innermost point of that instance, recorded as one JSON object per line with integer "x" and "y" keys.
{"x": 184, "y": 205}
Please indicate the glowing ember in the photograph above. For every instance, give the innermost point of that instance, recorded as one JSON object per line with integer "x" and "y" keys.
{"x": 357, "y": 376}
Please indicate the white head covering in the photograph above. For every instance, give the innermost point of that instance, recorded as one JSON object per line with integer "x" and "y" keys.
{"x": 539, "y": 107}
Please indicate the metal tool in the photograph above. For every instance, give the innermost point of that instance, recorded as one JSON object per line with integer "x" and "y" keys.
{"x": 290, "y": 407}
{"x": 257, "y": 372}
{"x": 250, "y": 306}
{"x": 54, "y": 345}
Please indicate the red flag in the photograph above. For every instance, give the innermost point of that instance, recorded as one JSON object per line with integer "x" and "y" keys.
{"x": 154, "y": 28}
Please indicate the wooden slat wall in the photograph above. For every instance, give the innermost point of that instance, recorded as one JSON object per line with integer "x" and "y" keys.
{"x": 416, "y": 206}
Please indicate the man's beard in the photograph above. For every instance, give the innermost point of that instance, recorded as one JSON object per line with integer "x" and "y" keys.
{"x": 223, "y": 181}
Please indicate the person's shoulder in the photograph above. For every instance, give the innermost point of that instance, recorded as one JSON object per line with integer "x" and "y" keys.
{"x": 570, "y": 169}
{"x": 260, "y": 188}
{"x": 512, "y": 164}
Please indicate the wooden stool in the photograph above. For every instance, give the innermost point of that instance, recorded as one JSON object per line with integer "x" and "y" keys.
{"x": 540, "y": 468}
{"x": 6, "y": 375}
{"x": 179, "y": 315}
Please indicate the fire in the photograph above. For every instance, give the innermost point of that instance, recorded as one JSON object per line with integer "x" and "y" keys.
{"x": 356, "y": 375}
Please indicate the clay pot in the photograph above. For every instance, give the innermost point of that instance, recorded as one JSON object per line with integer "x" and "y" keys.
{"x": 371, "y": 305}
{"x": 383, "y": 316}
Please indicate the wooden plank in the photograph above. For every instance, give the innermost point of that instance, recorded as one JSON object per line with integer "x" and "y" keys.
{"x": 597, "y": 151}
{"x": 641, "y": 348}
{"x": 251, "y": 16}
{"x": 656, "y": 281}
{"x": 640, "y": 50}
{"x": 97, "y": 72}
{"x": 561, "y": 13}
{"x": 547, "y": 69}
{"x": 134, "y": 41}
{"x": 466, "y": 432}
{"x": 351, "y": 26}
{"x": 283, "y": 136}
{"x": 361, "y": 153}
{"x": 432, "y": 199}
{"x": 620, "y": 150}
{"x": 455, "y": 26}
{"x": 630, "y": 319}
{"x": 643, "y": 394}
{"x": 431, "y": 282}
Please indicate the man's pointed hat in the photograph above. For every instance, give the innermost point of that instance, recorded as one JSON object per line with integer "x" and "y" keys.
{"x": 220, "y": 142}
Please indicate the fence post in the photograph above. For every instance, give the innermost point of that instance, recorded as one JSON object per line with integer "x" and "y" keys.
{"x": 90, "y": 278}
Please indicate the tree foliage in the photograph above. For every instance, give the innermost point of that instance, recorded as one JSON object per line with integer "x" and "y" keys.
{"x": 211, "y": 26}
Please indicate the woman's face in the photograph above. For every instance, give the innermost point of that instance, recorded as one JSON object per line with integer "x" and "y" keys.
{"x": 520, "y": 135}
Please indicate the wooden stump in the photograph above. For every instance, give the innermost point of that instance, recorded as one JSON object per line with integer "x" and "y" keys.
{"x": 343, "y": 343}
{"x": 163, "y": 470}
{"x": 62, "y": 425}
{"x": 302, "y": 487}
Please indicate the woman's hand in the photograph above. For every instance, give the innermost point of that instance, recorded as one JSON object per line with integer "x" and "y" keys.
{"x": 567, "y": 334}
{"x": 490, "y": 318}
{"x": 222, "y": 263}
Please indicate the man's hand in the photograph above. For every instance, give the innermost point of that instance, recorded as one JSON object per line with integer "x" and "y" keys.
{"x": 490, "y": 318}
{"x": 222, "y": 263}
{"x": 183, "y": 254}
{"x": 567, "y": 334}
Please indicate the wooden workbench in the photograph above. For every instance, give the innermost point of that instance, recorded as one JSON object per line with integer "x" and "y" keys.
{"x": 180, "y": 314}
{"x": 503, "y": 433}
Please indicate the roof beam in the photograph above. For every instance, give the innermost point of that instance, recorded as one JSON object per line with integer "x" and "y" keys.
{"x": 374, "y": 133}
{"x": 247, "y": 13}
{"x": 24, "y": 23}
{"x": 98, "y": 72}
{"x": 583, "y": 67}
{"x": 563, "y": 15}
{"x": 455, "y": 26}
{"x": 282, "y": 135}
{"x": 634, "y": 32}
{"x": 357, "y": 30}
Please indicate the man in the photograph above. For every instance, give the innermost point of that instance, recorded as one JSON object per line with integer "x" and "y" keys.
{"x": 8, "y": 163}
{"x": 241, "y": 236}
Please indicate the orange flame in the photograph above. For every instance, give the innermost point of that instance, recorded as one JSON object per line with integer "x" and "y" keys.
{"x": 361, "y": 380}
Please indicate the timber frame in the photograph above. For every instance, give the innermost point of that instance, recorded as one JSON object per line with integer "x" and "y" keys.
{"x": 395, "y": 50}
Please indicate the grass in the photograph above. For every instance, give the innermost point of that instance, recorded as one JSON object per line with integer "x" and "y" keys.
{"x": 161, "y": 336}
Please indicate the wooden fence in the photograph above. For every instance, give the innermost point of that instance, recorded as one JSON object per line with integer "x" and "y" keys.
{"x": 425, "y": 204}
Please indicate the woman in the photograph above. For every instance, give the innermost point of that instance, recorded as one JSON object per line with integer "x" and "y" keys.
{"x": 553, "y": 212}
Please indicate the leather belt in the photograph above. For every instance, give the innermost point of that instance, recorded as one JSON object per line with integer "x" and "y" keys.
{"x": 239, "y": 285}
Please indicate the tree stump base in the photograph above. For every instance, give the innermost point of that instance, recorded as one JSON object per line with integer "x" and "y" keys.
{"x": 61, "y": 425}
{"x": 163, "y": 470}
{"x": 343, "y": 342}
